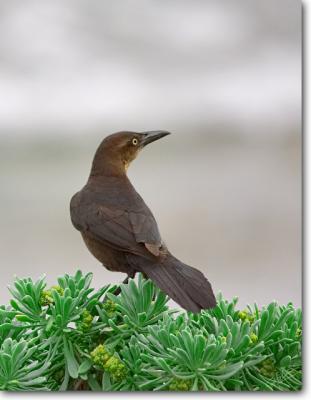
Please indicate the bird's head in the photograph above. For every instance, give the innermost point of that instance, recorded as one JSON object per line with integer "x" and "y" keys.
{"x": 118, "y": 150}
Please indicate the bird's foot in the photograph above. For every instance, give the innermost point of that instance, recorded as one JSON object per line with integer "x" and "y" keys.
{"x": 125, "y": 282}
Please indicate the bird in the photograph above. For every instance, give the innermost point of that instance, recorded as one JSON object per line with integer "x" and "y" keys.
{"x": 121, "y": 232}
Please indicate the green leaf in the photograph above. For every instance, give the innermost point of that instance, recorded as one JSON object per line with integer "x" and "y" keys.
{"x": 94, "y": 385}
{"x": 85, "y": 366}
{"x": 106, "y": 382}
{"x": 63, "y": 387}
{"x": 49, "y": 324}
{"x": 72, "y": 364}
{"x": 285, "y": 362}
{"x": 263, "y": 324}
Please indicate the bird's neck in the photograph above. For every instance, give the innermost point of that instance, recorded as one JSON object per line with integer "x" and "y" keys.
{"x": 108, "y": 166}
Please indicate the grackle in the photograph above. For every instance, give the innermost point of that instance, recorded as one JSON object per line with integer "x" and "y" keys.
{"x": 121, "y": 232}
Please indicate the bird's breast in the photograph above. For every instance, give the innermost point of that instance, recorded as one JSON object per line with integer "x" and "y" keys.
{"x": 112, "y": 259}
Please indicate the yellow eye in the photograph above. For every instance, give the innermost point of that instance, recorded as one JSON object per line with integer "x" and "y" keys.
{"x": 135, "y": 142}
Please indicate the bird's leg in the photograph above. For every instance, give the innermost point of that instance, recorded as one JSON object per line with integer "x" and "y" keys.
{"x": 118, "y": 290}
{"x": 125, "y": 282}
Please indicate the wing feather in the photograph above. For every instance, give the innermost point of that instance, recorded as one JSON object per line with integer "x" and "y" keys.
{"x": 122, "y": 229}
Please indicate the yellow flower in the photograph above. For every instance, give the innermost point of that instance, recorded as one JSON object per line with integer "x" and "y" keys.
{"x": 268, "y": 368}
{"x": 180, "y": 385}
{"x": 100, "y": 355}
{"x": 110, "y": 307}
{"x": 46, "y": 295}
{"x": 85, "y": 321}
{"x": 109, "y": 363}
{"x": 246, "y": 316}
{"x": 116, "y": 368}
{"x": 254, "y": 338}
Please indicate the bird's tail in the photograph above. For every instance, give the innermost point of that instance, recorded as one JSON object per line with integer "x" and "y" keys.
{"x": 184, "y": 284}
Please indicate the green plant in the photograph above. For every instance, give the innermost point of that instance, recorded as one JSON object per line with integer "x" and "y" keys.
{"x": 71, "y": 337}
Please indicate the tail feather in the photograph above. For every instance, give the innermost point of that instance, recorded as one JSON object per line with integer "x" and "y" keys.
{"x": 184, "y": 284}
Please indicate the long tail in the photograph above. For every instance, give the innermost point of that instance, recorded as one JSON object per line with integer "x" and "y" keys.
{"x": 184, "y": 284}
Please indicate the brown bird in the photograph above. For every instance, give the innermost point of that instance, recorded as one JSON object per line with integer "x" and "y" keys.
{"x": 121, "y": 232}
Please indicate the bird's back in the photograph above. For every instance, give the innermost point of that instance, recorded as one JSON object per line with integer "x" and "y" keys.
{"x": 111, "y": 208}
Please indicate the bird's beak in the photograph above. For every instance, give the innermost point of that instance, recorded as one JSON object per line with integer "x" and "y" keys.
{"x": 149, "y": 137}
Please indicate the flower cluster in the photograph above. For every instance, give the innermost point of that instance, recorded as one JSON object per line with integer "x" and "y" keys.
{"x": 180, "y": 385}
{"x": 268, "y": 368}
{"x": 254, "y": 338}
{"x": 46, "y": 295}
{"x": 299, "y": 333}
{"x": 85, "y": 321}
{"x": 110, "y": 307}
{"x": 110, "y": 363}
{"x": 246, "y": 316}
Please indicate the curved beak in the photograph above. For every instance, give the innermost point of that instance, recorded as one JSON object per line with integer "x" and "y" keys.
{"x": 152, "y": 136}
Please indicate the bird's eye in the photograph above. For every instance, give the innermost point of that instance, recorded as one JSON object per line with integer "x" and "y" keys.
{"x": 135, "y": 142}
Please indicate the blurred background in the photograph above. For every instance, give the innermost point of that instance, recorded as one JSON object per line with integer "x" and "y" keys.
{"x": 224, "y": 76}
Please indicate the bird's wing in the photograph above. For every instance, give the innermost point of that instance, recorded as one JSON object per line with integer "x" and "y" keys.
{"x": 129, "y": 231}
{"x": 146, "y": 231}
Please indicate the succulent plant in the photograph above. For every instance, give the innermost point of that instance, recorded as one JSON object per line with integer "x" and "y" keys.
{"x": 71, "y": 337}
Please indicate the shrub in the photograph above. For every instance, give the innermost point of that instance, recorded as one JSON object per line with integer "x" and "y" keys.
{"x": 70, "y": 337}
